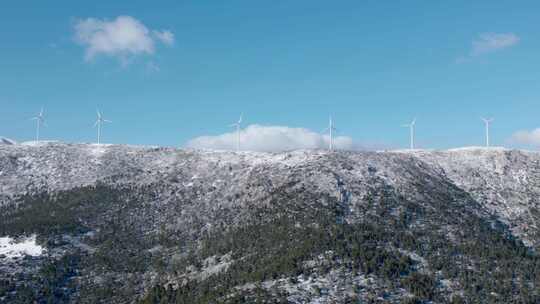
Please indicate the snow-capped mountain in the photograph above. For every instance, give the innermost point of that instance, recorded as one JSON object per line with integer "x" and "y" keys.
{"x": 505, "y": 182}
{"x": 153, "y": 221}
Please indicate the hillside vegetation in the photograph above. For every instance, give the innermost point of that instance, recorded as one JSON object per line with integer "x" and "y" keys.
{"x": 133, "y": 225}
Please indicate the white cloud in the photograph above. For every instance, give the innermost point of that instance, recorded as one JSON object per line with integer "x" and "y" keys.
{"x": 491, "y": 42}
{"x": 270, "y": 139}
{"x": 167, "y": 37}
{"x": 527, "y": 137}
{"x": 123, "y": 37}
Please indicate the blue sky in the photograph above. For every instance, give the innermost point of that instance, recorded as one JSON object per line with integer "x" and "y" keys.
{"x": 371, "y": 65}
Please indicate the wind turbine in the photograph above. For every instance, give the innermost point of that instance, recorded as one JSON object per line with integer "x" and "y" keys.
{"x": 100, "y": 120}
{"x": 40, "y": 120}
{"x": 487, "y": 122}
{"x": 330, "y": 130}
{"x": 237, "y": 125}
{"x": 411, "y": 128}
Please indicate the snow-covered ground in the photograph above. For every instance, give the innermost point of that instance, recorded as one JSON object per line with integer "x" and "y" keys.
{"x": 477, "y": 148}
{"x": 506, "y": 182}
{"x": 40, "y": 143}
{"x": 27, "y": 246}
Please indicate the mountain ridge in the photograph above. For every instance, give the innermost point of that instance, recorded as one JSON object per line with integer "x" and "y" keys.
{"x": 168, "y": 218}
{"x": 38, "y": 171}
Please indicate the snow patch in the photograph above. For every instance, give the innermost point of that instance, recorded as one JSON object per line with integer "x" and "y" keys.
{"x": 407, "y": 150}
{"x": 289, "y": 158}
{"x": 477, "y": 148}
{"x": 27, "y": 246}
{"x": 97, "y": 149}
{"x": 40, "y": 143}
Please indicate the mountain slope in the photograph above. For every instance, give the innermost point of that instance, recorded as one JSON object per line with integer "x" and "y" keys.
{"x": 505, "y": 182}
{"x": 126, "y": 224}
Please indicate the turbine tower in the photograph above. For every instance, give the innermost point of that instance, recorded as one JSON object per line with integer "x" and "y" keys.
{"x": 40, "y": 120}
{"x": 330, "y": 130}
{"x": 100, "y": 120}
{"x": 411, "y": 128}
{"x": 487, "y": 122}
{"x": 237, "y": 125}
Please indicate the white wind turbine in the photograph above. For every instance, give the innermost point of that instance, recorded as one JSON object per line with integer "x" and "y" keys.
{"x": 100, "y": 120}
{"x": 40, "y": 121}
{"x": 411, "y": 128}
{"x": 487, "y": 122}
{"x": 330, "y": 130}
{"x": 237, "y": 125}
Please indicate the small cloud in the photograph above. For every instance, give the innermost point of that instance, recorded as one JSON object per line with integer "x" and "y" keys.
{"x": 123, "y": 38}
{"x": 491, "y": 42}
{"x": 166, "y": 37}
{"x": 527, "y": 137}
{"x": 270, "y": 139}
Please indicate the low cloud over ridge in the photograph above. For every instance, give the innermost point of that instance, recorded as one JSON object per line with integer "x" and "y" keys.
{"x": 270, "y": 139}
{"x": 123, "y": 37}
{"x": 527, "y": 137}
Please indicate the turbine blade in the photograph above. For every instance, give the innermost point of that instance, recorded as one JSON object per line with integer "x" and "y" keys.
{"x": 488, "y": 120}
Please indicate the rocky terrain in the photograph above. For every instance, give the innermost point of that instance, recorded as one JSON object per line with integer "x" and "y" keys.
{"x": 505, "y": 182}
{"x": 129, "y": 224}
